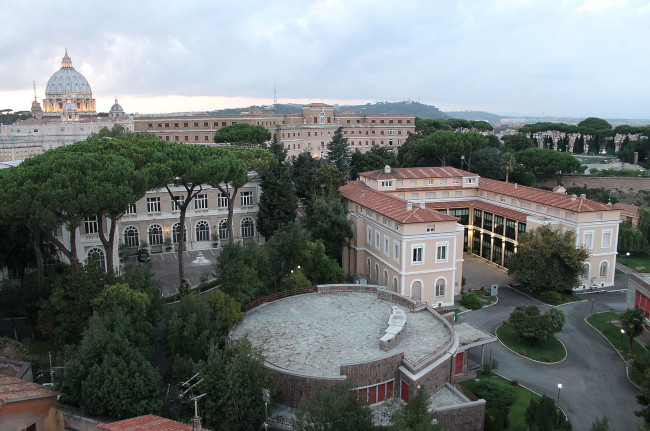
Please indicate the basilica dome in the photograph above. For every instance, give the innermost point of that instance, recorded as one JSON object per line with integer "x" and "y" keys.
{"x": 67, "y": 85}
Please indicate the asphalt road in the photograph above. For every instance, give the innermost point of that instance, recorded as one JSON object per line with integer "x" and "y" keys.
{"x": 593, "y": 375}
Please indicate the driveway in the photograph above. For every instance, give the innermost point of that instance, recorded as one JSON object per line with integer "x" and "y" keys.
{"x": 593, "y": 376}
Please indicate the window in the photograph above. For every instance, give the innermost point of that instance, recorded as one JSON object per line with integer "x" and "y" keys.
{"x": 585, "y": 272}
{"x": 415, "y": 195}
{"x": 443, "y": 181}
{"x": 607, "y": 239}
{"x": 246, "y": 199}
{"x": 588, "y": 239}
{"x": 131, "y": 238}
{"x": 155, "y": 235}
{"x": 458, "y": 194}
{"x": 177, "y": 203}
{"x": 386, "y": 183}
{"x": 90, "y": 224}
{"x": 431, "y": 228}
{"x": 153, "y": 205}
{"x": 97, "y": 255}
{"x": 396, "y": 250}
{"x": 445, "y": 194}
{"x": 130, "y": 209}
{"x": 599, "y": 217}
{"x": 431, "y": 195}
{"x": 603, "y": 270}
{"x": 441, "y": 252}
{"x": 455, "y": 181}
{"x": 223, "y": 229}
{"x": 201, "y": 202}
{"x": 417, "y": 254}
{"x": 222, "y": 201}
{"x": 470, "y": 181}
{"x": 391, "y": 132}
{"x": 176, "y": 233}
{"x": 202, "y": 231}
{"x": 377, "y": 240}
{"x": 386, "y": 245}
{"x": 247, "y": 228}
{"x": 413, "y": 183}
{"x": 369, "y": 235}
{"x": 440, "y": 287}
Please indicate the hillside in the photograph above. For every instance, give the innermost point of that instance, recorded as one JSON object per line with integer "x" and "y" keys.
{"x": 474, "y": 115}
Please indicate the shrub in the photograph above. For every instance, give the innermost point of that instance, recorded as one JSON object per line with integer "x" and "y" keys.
{"x": 551, "y": 297}
{"x": 527, "y": 321}
{"x": 499, "y": 396}
{"x": 471, "y": 301}
{"x": 514, "y": 382}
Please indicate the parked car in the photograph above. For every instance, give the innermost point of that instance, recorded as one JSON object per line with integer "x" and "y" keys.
{"x": 143, "y": 255}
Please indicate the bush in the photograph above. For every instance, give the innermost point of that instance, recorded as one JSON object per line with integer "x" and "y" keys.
{"x": 499, "y": 396}
{"x": 551, "y": 297}
{"x": 527, "y": 321}
{"x": 471, "y": 301}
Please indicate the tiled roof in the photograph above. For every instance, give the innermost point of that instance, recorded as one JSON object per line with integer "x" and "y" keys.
{"x": 13, "y": 389}
{"x": 430, "y": 189}
{"x": 146, "y": 423}
{"x": 627, "y": 209}
{"x": 485, "y": 206}
{"x": 390, "y": 206}
{"x": 543, "y": 196}
{"x": 414, "y": 173}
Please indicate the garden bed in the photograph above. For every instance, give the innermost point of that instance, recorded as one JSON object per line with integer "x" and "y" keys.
{"x": 566, "y": 297}
{"x": 551, "y": 350}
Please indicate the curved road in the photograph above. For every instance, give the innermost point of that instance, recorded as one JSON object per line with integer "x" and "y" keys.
{"x": 593, "y": 376}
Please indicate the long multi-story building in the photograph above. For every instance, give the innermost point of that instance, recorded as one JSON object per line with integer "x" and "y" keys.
{"x": 400, "y": 243}
{"x": 310, "y": 130}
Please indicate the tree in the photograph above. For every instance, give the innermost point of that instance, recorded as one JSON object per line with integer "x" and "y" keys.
{"x": 632, "y": 321}
{"x": 563, "y": 262}
{"x": 278, "y": 202}
{"x": 243, "y": 271}
{"x": 303, "y": 169}
{"x": 488, "y": 163}
{"x": 242, "y": 133}
{"x": 546, "y": 162}
{"x": 543, "y": 415}
{"x": 189, "y": 328}
{"x": 498, "y": 396}
{"x": 326, "y": 221}
{"x": 415, "y": 415}
{"x": 320, "y": 268}
{"x": 326, "y": 179}
{"x": 630, "y": 239}
{"x": 527, "y": 321}
{"x": 514, "y": 143}
{"x": 226, "y": 312}
{"x": 376, "y": 158}
{"x": 643, "y": 398}
{"x": 334, "y": 408}
{"x": 233, "y": 379}
{"x": 508, "y": 163}
{"x": 600, "y": 424}
{"x": 338, "y": 152}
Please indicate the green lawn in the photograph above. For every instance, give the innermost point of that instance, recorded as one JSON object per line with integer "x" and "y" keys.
{"x": 566, "y": 296}
{"x": 549, "y": 351}
{"x": 613, "y": 333}
{"x": 637, "y": 261}
{"x": 485, "y": 297}
{"x": 518, "y": 408}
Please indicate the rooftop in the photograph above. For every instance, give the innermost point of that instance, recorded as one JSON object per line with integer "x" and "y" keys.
{"x": 414, "y": 173}
{"x": 486, "y": 206}
{"x": 314, "y": 334}
{"x": 390, "y": 206}
{"x": 13, "y": 389}
{"x": 146, "y": 423}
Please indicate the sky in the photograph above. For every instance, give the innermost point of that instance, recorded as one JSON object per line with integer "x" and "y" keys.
{"x": 574, "y": 58}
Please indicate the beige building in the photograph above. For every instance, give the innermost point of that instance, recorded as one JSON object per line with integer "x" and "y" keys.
{"x": 391, "y": 207}
{"x": 310, "y": 130}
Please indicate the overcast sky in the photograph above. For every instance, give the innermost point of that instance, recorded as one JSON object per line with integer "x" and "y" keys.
{"x": 575, "y": 58}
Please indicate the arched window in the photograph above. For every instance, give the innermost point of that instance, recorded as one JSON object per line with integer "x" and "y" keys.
{"x": 131, "y": 237}
{"x": 176, "y": 232}
{"x": 155, "y": 234}
{"x": 416, "y": 290}
{"x": 385, "y": 278}
{"x": 585, "y": 272}
{"x": 247, "y": 228}
{"x": 223, "y": 229}
{"x": 440, "y": 287}
{"x": 376, "y": 273}
{"x": 603, "y": 270}
{"x": 368, "y": 274}
{"x": 202, "y": 231}
{"x": 322, "y": 118}
{"x": 395, "y": 285}
{"x": 97, "y": 255}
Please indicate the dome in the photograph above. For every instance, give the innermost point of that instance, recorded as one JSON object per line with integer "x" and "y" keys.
{"x": 116, "y": 110}
{"x": 67, "y": 81}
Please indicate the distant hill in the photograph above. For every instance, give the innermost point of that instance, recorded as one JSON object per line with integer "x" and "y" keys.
{"x": 475, "y": 115}
{"x": 413, "y": 108}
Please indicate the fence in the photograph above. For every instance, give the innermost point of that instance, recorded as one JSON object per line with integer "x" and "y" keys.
{"x": 279, "y": 295}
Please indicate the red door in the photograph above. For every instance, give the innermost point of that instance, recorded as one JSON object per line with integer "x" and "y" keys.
{"x": 405, "y": 392}
{"x": 458, "y": 366}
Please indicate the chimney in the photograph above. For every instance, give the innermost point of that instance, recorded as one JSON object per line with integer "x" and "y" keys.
{"x": 409, "y": 206}
{"x": 422, "y": 205}
{"x": 387, "y": 169}
{"x": 583, "y": 196}
{"x": 196, "y": 423}
{"x": 515, "y": 185}
{"x": 573, "y": 197}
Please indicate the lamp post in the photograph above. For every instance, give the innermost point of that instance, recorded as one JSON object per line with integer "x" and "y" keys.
{"x": 592, "y": 305}
{"x": 620, "y": 345}
{"x": 559, "y": 387}
{"x": 462, "y": 161}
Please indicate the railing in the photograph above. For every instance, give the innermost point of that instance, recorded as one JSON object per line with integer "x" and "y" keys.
{"x": 279, "y": 295}
{"x": 415, "y": 365}
{"x": 462, "y": 390}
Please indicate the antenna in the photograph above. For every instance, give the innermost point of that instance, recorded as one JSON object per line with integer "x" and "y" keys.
{"x": 34, "y": 82}
{"x": 189, "y": 384}
{"x": 196, "y": 405}
{"x": 275, "y": 94}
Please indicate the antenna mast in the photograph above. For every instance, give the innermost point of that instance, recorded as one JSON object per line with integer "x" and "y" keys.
{"x": 275, "y": 94}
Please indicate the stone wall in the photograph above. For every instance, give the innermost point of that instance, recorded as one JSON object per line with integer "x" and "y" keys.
{"x": 432, "y": 380}
{"x": 465, "y": 417}
{"x": 624, "y": 184}
{"x": 294, "y": 386}
{"x": 373, "y": 372}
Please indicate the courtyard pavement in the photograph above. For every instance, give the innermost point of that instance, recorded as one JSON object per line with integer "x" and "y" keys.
{"x": 165, "y": 267}
{"x": 593, "y": 375}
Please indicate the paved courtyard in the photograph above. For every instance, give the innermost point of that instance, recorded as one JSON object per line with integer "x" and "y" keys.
{"x": 593, "y": 375}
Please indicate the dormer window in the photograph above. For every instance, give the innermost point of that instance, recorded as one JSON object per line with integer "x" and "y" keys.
{"x": 387, "y": 183}
{"x": 470, "y": 180}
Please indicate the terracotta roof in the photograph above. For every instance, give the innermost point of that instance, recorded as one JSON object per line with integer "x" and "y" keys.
{"x": 543, "y": 196}
{"x": 390, "y": 206}
{"x": 146, "y": 423}
{"x": 13, "y": 389}
{"x": 485, "y": 206}
{"x": 627, "y": 209}
{"x": 430, "y": 189}
{"x": 413, "y": 173}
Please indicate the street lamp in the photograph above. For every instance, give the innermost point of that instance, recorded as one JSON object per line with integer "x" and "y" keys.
{"x": 620, "y": 345}
{"x": 559, "y": 387}
{"x": 592, "y": 305}
{"x": 462, "y": 161}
